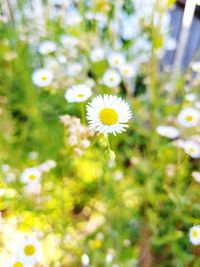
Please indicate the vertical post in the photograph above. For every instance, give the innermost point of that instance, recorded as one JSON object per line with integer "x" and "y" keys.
{"x": 118, "y": 9}
{"x": 39, "y": 16}
{"x": 186, "y": 25}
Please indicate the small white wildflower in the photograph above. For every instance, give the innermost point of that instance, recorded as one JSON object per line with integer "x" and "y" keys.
{"x": 111, "y": 78}
{"x": 189, "y": 117}
{"x": 192, "y": 148}
{"x": 194, "y": 235}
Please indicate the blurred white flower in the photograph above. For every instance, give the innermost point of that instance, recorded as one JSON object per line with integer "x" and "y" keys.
{"x": 108, "y": 114}
{"x": 194, "y": 235}
{"x": 78, "y": 93}
{"x": 118, "y": 175}
{"x": 15, "y": 262}
{"x": 109, "y": 258}
{"x": 195, "y": 66}
{"x": 188, "y": 117}
{"x": 73, "y": 18}
{"x": 5, "y": 167}
{"x": 192, "y": 148}
{"x": 62, "y": 59}
{"x": 2, "y": 191}
{"x": 85, "y": 260}
{"x": 42, "y": 77}
{"x": 85, "y": 143}
{"x": 116, "y": 60}
{"x": 51, "y": 64}
{"x": 68, "y": 41}
{"x": 111, "y": 78}
{"x": 74, "y": 69}
{"x": 127, "y": 70}
{"x": 10, "y": 177}
{"x": 97, "y": 54}
{"x": 190, "y": 97}
{"x": 31, "y": 175}
{"x": 72, "y": 140}
{"x": 33, "y": 155}
{"x": 168, "y": 131}
{"x": 197, "y": 104}
{"x": 90, "y": 82}
{"x": 47, "y": 47}
{"x": 196, "y": 176}
{"x": 170, "y": 44}
{"x": 32, "y": 189}
{"x": 130, "y": 27}
{"x": 51, "y": 163}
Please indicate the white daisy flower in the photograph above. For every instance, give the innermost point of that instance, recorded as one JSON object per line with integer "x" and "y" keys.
{"x": 127, "y": 70}
{"x": 116, "y": 60}
{"x": 192, "y": 148}
{"x": 97, "y": 54}
{"x": 42, "y": 77}
{"x": 15, "y": 262}
{"x": 78, "y": 93}
{"x": 196, "y": 176}
{"x": 168, "y": 131}
{"x": 31, "y": 175}
{"x": 108, "y": 114}
{"x": 195, "y": 66}
{"x": 111, "y": 78}
{"x": 47, "y": 47}
{"x": 194, "y": 235}
{"x": 68, "y": 41}
{"x": 30, "y": 251}
{"x": 189, "y": 117}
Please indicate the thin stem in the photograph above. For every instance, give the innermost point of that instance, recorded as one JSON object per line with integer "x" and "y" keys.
{"x": 108, "y": 143}
{"x": 82, "y": 107}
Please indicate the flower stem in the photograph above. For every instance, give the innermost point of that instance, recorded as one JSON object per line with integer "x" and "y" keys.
{"x": 108, "y": 143}
{"x": 82, "y": 108}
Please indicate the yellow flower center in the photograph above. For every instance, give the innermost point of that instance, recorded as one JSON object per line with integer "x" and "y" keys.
{"x": 81, "y": 95}
{"x": 108, "y": 116}
{"x": 44, "y": 78}
{"x": 116, "y": 61}
{"x": 111, "y": 79}
{"x": 194, "y": 233}
{"x": 18, "y": 264}
{"x": 189, "y": 118}
{"x": 29, "y": 250}
{"x": 126, "y": 71}
{"x": 32, "y": 177}
{"x": 191, "y": 149}
{"x": 97, "y": 243}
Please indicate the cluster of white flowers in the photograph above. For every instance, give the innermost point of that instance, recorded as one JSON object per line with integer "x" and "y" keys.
{"x": 77, "y": 135}
{"x": 188, "y": 117}
{"x": 119, "y": 69}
